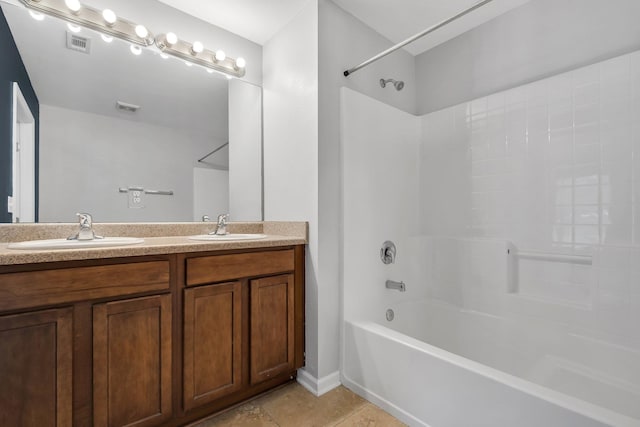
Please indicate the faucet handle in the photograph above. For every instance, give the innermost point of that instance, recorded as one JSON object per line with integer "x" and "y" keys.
{"x": 85, "y": 219}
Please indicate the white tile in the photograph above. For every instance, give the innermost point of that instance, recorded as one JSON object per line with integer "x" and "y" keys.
{"x": 587, "y": 94}
{"x": 586, "y": 195}
{"x": 537, "y": 93}
{"x": 562, "y": 215}
{"x": 585, "y": 215}
{"x": 587, "y": 154}
{"x": 479, "y": 106}
{"x": 563, "y": 196}
{"x": 496, "y": 101}
{"x": 587, "y": 234}
{"x": 589, "y": 134}
{"x": 588, "y": 114}
{"x": 561, "y": 115}
{"x": 587, "y": 174}
{"x": 537, "y": 119}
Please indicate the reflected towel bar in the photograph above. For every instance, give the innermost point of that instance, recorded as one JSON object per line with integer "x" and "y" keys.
{"x": 154, "y": 192}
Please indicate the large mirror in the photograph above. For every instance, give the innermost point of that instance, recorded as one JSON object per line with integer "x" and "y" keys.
{"x": 134, "y": 137}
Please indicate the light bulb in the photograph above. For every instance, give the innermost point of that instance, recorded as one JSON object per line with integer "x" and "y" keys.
{"x": 164, "y": 56}
{"x": 241, "y": 63}
{"x": 171, "y": 39}
{"x": 73, "y": 28}
{"x": 136, "y": 50}
{"x": 73, "y": 5}
{"x": 106, "y": 38}
{"x": 141, "y": 31}
{"x": 36, "y": 15}
{"x": 197, "y": 47}
{"x": 109, "y": 16}
{"x": 220, "y": 55}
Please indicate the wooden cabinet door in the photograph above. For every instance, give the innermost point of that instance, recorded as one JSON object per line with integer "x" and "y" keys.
{"x": 35, "y": 369}
{"x": 132, "y": 362}
{"x": 212, "y": 342}
{"x": 272, "y": 327}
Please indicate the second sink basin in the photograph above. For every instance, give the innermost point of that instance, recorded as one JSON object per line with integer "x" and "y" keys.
{"x": 227, "y": 237}
{"x": 105, "y": 242}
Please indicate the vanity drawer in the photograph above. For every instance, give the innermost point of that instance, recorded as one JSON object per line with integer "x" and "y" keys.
{"x": 48, "y": 287}
{"x": 218, "y": 268}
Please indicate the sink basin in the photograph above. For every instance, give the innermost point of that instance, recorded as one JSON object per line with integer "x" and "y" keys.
{"x": 106, "y": 242}
{"x": 227, "y": 237}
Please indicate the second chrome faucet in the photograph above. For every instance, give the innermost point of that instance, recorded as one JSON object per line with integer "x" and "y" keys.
{"x": 221, "y": 226}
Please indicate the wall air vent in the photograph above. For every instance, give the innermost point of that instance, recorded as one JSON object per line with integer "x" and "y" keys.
{"x": 129, "y": 108}
{"x": 78, "y": 43}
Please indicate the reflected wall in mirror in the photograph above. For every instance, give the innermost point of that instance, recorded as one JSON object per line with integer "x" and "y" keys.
{"x": 123, "y": 136}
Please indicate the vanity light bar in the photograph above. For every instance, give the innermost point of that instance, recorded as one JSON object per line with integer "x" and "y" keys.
{"x": 90, "y": 17}
{"x": 204, "y": 57}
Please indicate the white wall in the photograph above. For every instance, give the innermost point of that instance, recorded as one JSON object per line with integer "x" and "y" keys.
{"x": 210, "y": 193}
{"x": 380, "y": 203}
{"x": 290, "y": 91}
{"x": 82, "y": 166}
{"x": 245, "y": 151}
{"x": 537, "y": 40}
{"x": 343, "y": 42}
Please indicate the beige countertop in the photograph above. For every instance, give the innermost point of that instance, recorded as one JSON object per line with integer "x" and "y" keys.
{"x": 159, "y": 239}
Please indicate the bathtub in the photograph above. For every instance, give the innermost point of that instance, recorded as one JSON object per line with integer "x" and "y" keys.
{"x": 438, "y": 365}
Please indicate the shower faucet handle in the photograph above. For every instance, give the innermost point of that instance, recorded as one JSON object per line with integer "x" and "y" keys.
{"x": 388, "y": 252}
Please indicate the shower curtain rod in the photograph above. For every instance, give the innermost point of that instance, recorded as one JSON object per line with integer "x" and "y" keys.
{"x": 350, "y": 71}
{"x": 214, "y": 151}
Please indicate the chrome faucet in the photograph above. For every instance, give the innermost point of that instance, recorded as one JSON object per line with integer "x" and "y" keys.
{"x": 400, "y": 286}
{"x": 221, "y": 227}
{"x": 86, "y": 228}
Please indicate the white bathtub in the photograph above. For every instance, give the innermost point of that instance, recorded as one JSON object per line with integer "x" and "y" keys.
{"x": 439, "y": 366}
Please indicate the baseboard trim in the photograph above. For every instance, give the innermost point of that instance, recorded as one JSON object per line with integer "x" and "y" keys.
{"x": 377, "y": 400}
{"x": 318, "y": 386}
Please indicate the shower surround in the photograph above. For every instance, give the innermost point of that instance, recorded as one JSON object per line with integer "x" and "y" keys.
{"x": 517, "y": 224}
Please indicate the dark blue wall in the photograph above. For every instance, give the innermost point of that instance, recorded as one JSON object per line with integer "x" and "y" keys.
{"x": 12, "y": 70}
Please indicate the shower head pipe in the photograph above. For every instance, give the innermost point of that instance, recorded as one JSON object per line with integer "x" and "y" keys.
{"x": 398, "y": 84}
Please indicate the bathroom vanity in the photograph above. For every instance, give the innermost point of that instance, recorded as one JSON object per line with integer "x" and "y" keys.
{"x": 163, "y": 333}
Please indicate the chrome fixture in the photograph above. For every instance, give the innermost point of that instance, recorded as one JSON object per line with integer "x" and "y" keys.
{"x": 152, "y": 192}
{"x": 86, "y": 228}
{"x": 105, "y": 22}
{"x": 111, "y": 25}
{"x": 196, "y": 53}
{"x": 411, "y": 39}
{"x": 400, "y": 286}
{"x": 388, "y": 252}
{"x": 390, "y": 315}
{"x": 398, "y": 84}
{"x": 221, "y": 226}
{"x": 205, "y": 218}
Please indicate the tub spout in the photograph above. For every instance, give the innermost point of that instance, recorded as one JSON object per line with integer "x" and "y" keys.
{"x": 400, "y": 286}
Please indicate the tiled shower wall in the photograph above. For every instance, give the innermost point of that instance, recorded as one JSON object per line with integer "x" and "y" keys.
{"x": 552, "y": 166}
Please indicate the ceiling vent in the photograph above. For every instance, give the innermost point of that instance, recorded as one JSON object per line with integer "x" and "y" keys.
{"x": 78, "y": 43}
{"x": 129, "y": 108}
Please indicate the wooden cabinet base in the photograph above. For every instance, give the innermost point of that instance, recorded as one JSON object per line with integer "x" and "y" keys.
{"x": 161, "y": 340}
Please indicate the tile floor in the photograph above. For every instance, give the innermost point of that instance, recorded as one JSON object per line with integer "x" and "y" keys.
{"x": 293, "y": 406}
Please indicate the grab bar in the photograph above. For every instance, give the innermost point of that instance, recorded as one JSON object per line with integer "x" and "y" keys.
{"x": 554, "y": 257}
